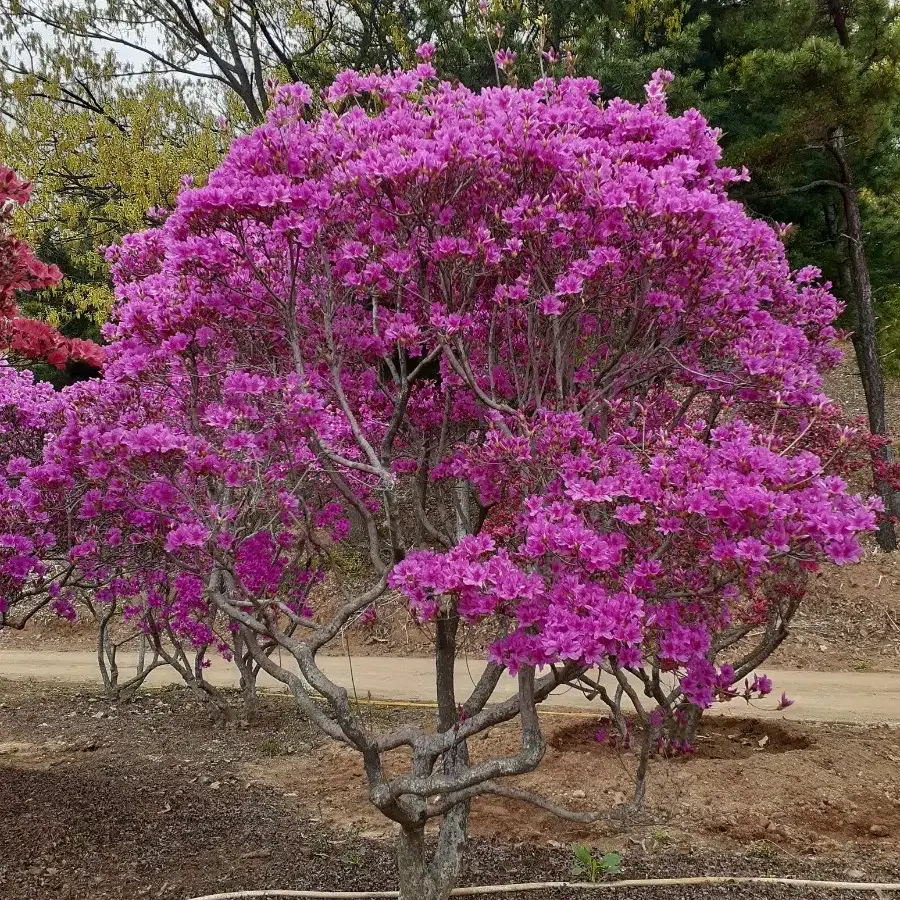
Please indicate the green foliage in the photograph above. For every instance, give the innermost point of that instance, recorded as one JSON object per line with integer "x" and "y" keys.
{"x": 352, "y": 858}
{"x": 881, "y": 217}
{"x": 96, "y": 175}
{"x": 271, "y": 747}
{"x": 620, "y": 42}
{"x": 787, "y": 75}
{"x": 587, "y": 866}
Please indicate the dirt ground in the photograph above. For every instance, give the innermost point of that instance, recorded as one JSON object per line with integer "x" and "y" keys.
{"x": 148, "y": 800}
{"x": 819, "y": 789}
{"x": 849, "y": 620}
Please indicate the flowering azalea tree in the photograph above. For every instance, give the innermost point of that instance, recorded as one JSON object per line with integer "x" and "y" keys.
{"x": 29, "y": 523}
{"x": 28, "y": 526}
{"x": 518, "y": 345}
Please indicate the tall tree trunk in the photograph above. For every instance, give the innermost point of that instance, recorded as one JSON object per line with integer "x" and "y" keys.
{"x": 424, "y": 877}
{"x": 838, "y": 17}
{"x": 247, "y": 670}
{"x": 865, "y": 335}
{"x": 412, "y": 866}
{"x": 432, "y": 878}
{"x": 836, "y": 236}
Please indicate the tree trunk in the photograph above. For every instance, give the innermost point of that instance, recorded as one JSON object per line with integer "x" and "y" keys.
{"x": 420, "y": 876}
{"x": 432, "y": 878}
{"x": 839, "y": 20}
{"x": 865, "y": 336}
{"x": 835, "y": 235}
{"x": 412, "y": 866}
{"x": 417, "y": 877}
{"x": 248, "y": 672}
{"x": 106, "y": 655}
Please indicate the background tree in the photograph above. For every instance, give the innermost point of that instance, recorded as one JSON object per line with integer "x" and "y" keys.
{"x": 100, "y": 174}
{"x": 808, "y": 94}
{"x": 235, "y": 47}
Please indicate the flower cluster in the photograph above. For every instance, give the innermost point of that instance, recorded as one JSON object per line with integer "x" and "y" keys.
{"x": 519, "y": 343}
{"x": 635, "y": 551}
{"x": 30, "y": 518}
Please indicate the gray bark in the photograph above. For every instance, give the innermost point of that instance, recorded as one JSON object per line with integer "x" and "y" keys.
{"x": 865, "y": 335}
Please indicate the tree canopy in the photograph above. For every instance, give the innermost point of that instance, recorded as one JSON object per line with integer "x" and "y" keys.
{"x": 517, "y": 345}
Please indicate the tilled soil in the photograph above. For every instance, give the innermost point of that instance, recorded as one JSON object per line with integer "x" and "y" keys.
{"x": 105, "y": 802}
{"x": 795, "y": 790}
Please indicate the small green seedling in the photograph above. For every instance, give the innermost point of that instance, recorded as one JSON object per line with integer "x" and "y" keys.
{"x": 590, "y": 867}
{"x": 351, "y": 858}
{"x": 271, "y": 747}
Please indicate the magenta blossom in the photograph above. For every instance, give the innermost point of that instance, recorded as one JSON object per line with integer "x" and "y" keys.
{"x": 784, "y": 702}
{"x": 518, "y": 348}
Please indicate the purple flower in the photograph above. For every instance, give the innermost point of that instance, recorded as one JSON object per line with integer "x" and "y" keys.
{"x": 187, "y": 535}
{"x": 569, "y": 284}
{"x": 505, "y": 59}
{"x": 784, "y": 702}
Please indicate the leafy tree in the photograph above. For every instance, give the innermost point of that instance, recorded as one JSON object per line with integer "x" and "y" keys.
{"x": 525, "y": 342}
{"x": 808, "y": 94}
{"x": 235, "y": 47}
{"x": 619, "y": 43}
{"x": 100, "y": 176}
{"x": 631, "y": 39}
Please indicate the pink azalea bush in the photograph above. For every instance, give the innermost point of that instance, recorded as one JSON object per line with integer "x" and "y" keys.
{"x": 21, "y": 270}
{"x": 30, "y": 522}
{"x": 518, "y": 345}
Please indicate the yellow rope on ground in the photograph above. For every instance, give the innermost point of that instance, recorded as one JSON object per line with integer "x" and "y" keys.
{"x": 430, "y": 704}
{"x": 483, "y": 890}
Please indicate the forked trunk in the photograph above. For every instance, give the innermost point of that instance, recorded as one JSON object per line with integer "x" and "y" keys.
{"x": 424, "y": 877}
{"x": 248, "y": 672}
{"x": 432, "y": 878}
{"x": 412, "y": 867}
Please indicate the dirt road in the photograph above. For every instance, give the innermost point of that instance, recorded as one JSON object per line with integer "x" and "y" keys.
{"x": 852, "y": 697}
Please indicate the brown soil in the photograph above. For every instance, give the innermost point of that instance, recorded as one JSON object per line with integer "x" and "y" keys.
{"x": 844, "y": 385}
{"x": 819, "y": 789}
{"x": 849, "y": 620}
{"x": 147, "y": 800}
{"x": 720, "y": 739}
